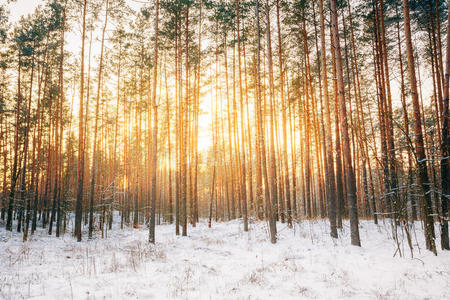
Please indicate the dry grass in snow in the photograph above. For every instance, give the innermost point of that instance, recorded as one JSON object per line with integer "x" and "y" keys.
{"x": 222, "y": 263}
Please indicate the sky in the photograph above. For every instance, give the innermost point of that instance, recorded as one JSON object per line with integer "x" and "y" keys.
{"x": 73, "y": 41}
{"x": 21, "y": 7}
{"x": 24, "y": 7}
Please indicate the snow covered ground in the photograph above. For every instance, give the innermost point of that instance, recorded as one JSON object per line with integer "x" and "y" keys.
{"x": 222, "y": 263}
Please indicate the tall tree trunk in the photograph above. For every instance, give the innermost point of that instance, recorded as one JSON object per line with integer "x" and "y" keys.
{"x": 349, "y": 174}
{"x": 184, "y": 154}
{"x": 272, "y": 153}
{"x": 420, "y": 149}
{"x": 261, "y": 138}
{"x": 331, "y": 188}
{"x": 94, "y": 143}
{"x": 155, "y": 131}
{"x": 445, "y": 148}
{"x": 241, "y": 101}
{"x": 80, "y": 165}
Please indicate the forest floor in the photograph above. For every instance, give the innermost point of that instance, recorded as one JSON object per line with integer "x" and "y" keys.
{"x": 223, "y": 262}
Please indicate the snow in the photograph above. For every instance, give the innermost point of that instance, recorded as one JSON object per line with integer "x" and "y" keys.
{"x": 223, "y": 262}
